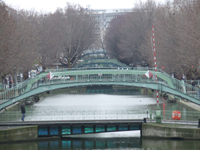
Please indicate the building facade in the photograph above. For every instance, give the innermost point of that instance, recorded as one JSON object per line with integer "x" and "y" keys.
{"x": 103, "y": 18}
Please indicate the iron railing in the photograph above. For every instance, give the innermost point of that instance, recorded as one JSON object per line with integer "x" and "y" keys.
{"x": 48, "y": 115}
{"x": 122, "y": 76}
{"x": 187, "y": 117}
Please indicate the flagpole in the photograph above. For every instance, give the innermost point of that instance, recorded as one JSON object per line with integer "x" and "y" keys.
{"x": 154, "y": 51}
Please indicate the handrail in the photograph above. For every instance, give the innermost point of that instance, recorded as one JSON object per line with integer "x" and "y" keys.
{"x": 98, "y": 75}
{"x": 70, "y": 115}
{"x": 188, "y": 117}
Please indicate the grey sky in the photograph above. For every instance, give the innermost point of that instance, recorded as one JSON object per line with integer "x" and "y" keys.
{"x": 52, "y": 5}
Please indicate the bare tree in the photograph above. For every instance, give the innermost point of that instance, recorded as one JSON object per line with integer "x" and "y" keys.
{"x": 176, "y": 34}
{"x": 65, "y": 34}
{"x": 113, "y": 37}
{"x": 49, "y": 41}
{"x": 24, "y": 42}
{"x": 27, "y": 38}
{"x": 178, "y": 39}
{"x": 78, "y": 32}
{"x": 7, "y": 26}
{"x": 131, "y": 33}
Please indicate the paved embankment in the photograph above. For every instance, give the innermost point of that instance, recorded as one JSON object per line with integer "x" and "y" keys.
{"x": 185, "y": 102}
{"x": 156, "y": 130}
{"x": 189, "y": 104}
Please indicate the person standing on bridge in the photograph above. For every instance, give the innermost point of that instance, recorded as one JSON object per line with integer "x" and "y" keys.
{"x": 23, "y": 111}
{"x": 193, "y": 85}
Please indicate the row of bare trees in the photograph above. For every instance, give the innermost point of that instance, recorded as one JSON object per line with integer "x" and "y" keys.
{"x": 27, "y": 37}
{"x": 6, "y": 31}
{"x": 177, "y": 37}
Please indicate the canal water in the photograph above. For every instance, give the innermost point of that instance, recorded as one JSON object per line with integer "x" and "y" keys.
{"x": 127, "y": 143}
{"x": 98, "y": 106}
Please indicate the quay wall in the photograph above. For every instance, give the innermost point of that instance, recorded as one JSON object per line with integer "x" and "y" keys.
{"x": 170, "y": 131}
{"x": 18, "y": 133}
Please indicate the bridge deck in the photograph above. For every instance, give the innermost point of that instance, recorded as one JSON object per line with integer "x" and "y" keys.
{"x": 61, "y": 122}
{"x": 100, "y": 77}
{"x": 61, "y": 128}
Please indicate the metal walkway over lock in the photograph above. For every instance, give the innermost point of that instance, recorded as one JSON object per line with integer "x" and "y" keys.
{"x": 66, "y": 78}
{"x": 88, "y": 127}
{"x": 64, "y": 128}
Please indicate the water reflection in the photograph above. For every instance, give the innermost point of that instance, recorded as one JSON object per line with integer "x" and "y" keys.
{"x": 133, "y": 143}
{"x": 156, "y": 144}
{"x": 81, "y": 144}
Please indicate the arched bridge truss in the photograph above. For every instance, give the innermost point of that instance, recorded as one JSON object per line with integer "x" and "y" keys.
{"x": 64, "y": 78}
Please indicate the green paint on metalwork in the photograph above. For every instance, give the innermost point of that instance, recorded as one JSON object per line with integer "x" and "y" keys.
{"x": 100, "y": 128}
{"x": 123, "y": 127}
{"x": 66, "y": 130}
{"x": 42, "y": 131}
{"x": 89, "y": 129}
{"x": 79, "y": 77}
{"x": 134, "y": 127}
{"x": 111, "y": 128}
{"x": 76, "y": 130}
{"x": 54, "y": 130}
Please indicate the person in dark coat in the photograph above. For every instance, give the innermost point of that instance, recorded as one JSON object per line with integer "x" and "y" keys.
{"x": 23, "y": 111}
{"x": 193, "y": 85}
{"x": 10, "y": 84}
{"x": 5, "y": 82}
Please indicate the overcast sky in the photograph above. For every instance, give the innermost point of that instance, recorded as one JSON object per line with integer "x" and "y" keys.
{"x": 52, "y": 5}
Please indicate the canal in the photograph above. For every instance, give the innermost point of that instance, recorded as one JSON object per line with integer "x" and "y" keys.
{"x": 97, "y": 106}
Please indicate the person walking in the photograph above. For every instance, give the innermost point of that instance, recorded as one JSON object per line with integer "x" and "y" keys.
{"x": 5, "y": 83}
{"x": 10, "y": 84}
{"x": 23, "y": 111}
{"x": 193, "y": 85}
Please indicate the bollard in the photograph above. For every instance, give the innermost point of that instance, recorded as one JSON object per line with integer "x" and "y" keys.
{"x": 145, "y": 120}
{"x": 199, "y": 124}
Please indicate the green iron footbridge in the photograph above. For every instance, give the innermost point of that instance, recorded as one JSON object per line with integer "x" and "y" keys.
{"x": 67, "y": 78}
{"x": 99, "y": 62}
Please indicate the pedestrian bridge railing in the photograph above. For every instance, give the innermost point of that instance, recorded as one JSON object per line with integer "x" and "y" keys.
{"x": 47, "y": 115}
{"x": 187, "y": 117}
{"x": 90, "y": 76}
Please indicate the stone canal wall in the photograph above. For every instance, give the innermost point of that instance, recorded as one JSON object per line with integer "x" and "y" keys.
{"x": 153, "y": 130}
{"x": 18, "y": 133}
